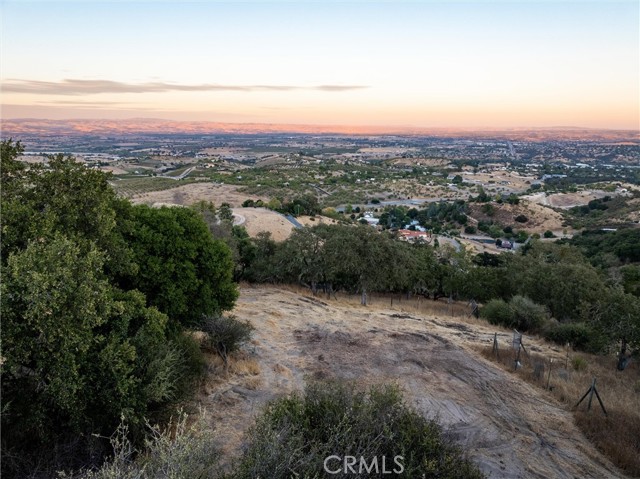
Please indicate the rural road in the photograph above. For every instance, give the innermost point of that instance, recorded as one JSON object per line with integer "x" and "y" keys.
{"x": 293, "y": 221}
{"x": 238, "y": 219}
{"x": 182, "y": 175}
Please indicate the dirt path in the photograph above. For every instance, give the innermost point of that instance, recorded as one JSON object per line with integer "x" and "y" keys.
{"x": 509, "y": 428}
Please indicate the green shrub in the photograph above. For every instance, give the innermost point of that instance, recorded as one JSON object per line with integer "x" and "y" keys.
{"x": 520, "y": 313}
{"x": 225, "y": 334}
{"x": 527, "y": 315}
{"x": 579, "y": 363}
{"x": 497, "y": 311}
{"x": 193, "y": 366}
{"x": 295, "y": 435}
{"x": 521, "y": 219}
{"x": 488, "y": 209}
{"x": 580, "y": 335}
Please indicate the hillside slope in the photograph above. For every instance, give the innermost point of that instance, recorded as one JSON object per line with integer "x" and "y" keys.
{"x": 509, "y": 428}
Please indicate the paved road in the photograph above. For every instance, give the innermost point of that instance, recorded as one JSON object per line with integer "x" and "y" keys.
{"x": 182, "y": 175}
{"x": 293, "y": 221}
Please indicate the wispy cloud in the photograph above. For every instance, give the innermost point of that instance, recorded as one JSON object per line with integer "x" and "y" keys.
{"x": 80, "y": 103}
{"x": 74, "y": 87}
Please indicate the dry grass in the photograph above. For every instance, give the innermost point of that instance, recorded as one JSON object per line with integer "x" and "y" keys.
{"x": 245, "y": 367}
{"x": 617, "y": 435}
{"x": 257, "y": 220}
{"x": 238, "y": 364}
{"x": 179, "y": 193}
{"x": 415, "y": 304}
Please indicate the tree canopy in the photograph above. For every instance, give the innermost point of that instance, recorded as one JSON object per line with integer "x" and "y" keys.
{"x": 94, "y": 295}
{"x": 183, "y": 270}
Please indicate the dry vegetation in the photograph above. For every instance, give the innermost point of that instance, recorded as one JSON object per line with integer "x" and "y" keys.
{"x": 192, "y": 193}
{"x": 569, "y": 378}
{"x": 431, "y": 350}
{"x": 256, "y": 220}
{"x": 541, "y": 218}
{"x": 566, "y": 200}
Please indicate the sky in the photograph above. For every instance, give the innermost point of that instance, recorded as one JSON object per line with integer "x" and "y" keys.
{"x": 499, "y": 64}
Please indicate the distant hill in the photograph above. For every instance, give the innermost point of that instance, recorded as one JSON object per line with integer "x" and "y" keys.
{"x": 42, "y": 127}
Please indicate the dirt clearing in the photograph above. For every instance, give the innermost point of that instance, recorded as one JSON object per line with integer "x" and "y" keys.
{"x": 192, "y": 193}
{"x": 262, "y": 219}
{"x": 566, "y": 200}
{"x": 509, "y": 428}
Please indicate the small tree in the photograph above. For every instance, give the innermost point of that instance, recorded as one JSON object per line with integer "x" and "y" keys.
{"x": 225, "y": 213}
{"x": 225, "y": 334}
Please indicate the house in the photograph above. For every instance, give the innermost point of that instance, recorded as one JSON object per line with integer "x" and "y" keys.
{"x": 415, "y": 225}
{"x": 411, "y": 236}
{"x": 369, "y": 218}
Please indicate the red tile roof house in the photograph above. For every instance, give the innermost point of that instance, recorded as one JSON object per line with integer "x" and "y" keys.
{"x": 409, "y": 235}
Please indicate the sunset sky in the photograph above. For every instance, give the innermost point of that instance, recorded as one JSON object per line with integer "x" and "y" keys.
{"x": 401, "y": 63}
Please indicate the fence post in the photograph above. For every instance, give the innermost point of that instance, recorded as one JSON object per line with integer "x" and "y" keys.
{"x": 590, "y": 393}
{"x": 593, "y": 388}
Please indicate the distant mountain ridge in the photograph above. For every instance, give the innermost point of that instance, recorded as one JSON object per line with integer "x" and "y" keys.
{"x": 78, "y": 127}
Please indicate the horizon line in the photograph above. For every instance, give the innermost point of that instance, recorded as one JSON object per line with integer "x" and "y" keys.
{"x": 325, "y": 126}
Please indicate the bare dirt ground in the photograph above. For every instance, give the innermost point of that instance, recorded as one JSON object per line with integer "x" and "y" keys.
{"x": 116, "y": 170}
{"x": 316, "y": 220}
{"x": 192, "y": 193}
{"x": 498, "y": 178}
{"x": 262, "y": 219}
{"x": 417, "y": 161}
{"x": 509, "y": 428}
{"x": 566, "y": 200}
{"x": 254, "y": 219}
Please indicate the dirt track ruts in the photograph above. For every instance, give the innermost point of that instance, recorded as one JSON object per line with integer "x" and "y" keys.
{"x": 509, "y": 428}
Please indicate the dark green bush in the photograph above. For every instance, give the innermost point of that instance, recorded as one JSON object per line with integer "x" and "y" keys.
{"x": 520, "y": 313}
{"x": 497, "y": 311}
{"x": 521, "y": 219}
{"x": 295, "y": 435}
{"x": 193, "y": 364}
{"x": 527, "y": 315}
{"x": 580, "y": 335}
{"x": 225, "y": 334}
